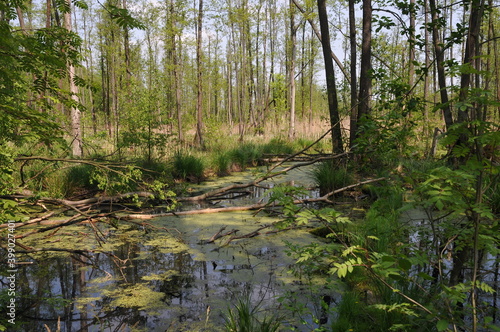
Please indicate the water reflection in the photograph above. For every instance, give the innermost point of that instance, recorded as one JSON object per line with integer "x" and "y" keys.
{"x": 150, "y": 280}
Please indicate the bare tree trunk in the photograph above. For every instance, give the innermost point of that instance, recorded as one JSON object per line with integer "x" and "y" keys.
{"x": 293, "y": 42}
{"x": 330, "y": 79}
{"x": 353, "y": 125}
{"x": 471, "y": 52}
{"x": 439, "y": 55}
{"x": 365, "y": 81}
{"x": 178, "y": 92}
{"x": 76, "y": 130}
{"x": 199, "y": 101}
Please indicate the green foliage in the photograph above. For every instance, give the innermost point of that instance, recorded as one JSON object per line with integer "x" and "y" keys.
{"x": 285, "y": 196}
{"x": 6, "y": 170}
{"x": 492, "y": 192}
{"x": 447, "y": 187}
{"x": 351, "y": 314}
{"x": 188, "y": 167}
{"x": 123, "y": 18}
{"x": 78, "y": 178}
{"x": 113, "y": 180}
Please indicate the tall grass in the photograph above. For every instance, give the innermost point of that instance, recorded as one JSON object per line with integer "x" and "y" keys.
{"x": 278, "y": 146}
{"x": 351, "y": 314}
{"x": 329, "y": 175}
{"x": 247, "y": 154}
{"x": 188, "y": 167}
{"x": 222, "y": 163}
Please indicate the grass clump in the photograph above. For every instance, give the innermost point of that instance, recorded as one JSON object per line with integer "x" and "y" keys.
{"x": 246, "y": 155}
{"x": 222, "y": 163}
{"x": 188, "y": 167}
{"x": 278, "y": 146}
{"x": 330, "y": 176}
{"x": 244, "y": 318}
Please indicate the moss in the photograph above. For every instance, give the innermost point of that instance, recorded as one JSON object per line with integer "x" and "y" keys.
{"x": 138, "y": 296}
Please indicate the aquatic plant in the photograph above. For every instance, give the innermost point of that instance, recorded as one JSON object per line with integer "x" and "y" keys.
{"x": 244, "y": 318}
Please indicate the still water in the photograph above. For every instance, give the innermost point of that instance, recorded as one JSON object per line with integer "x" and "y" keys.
{"x": 162, "y": 275}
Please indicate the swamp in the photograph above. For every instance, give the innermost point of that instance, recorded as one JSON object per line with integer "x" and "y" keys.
{"x": 249, "y": 165}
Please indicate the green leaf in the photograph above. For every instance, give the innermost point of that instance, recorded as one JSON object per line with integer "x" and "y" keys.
{"x": 442, "y": 325}
{"x": 439, "y": 204}
{"x": 405, "y": 264}
{"x": 425, "y": 276}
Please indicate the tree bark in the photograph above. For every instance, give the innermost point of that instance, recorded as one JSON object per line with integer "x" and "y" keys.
{"x": 439, "y": 55}
{"x": 293, "y": 42}
{"x": 365, "y": 80}
{"x": 337, "y": 146}
{"x": 353, "y": 125}
{"x": 199, "y": 64}
{"x": 76, "y": 130}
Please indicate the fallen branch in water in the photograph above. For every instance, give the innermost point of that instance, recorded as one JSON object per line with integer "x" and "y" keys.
{"x": 218, "y": 235}
{"x": 83, "y": 202}
{"x": 245, "y": 236}
{"x": 258, "y": 206}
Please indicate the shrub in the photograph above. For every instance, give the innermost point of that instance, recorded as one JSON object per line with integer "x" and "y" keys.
{"x": 78, "y": 178}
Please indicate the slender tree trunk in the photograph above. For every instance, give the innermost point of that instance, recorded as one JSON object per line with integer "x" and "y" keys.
{"x": 178, "y": 92}
{"x": 365, "y": 80}
{"x": 199, "y": 100}
{"x": 353, "y": 125}
{"x": 293, "y": 42}
{"x": 439, "y": 55}
{"x": 426, "y": 127}
{"x": 411, "y": 55}
{"x": 330, "y": 79}
{"x": 76, "y": 130}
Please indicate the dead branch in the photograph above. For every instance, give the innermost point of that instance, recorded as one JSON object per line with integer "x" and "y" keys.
{"x": 32, "y": 221}
{"x": 201, "y": 211}
{"x": 245, "y": 236}
{"x": 218, "y": 235}
{"x": 70, "y": 221}
{"x": 83, "y": 202}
